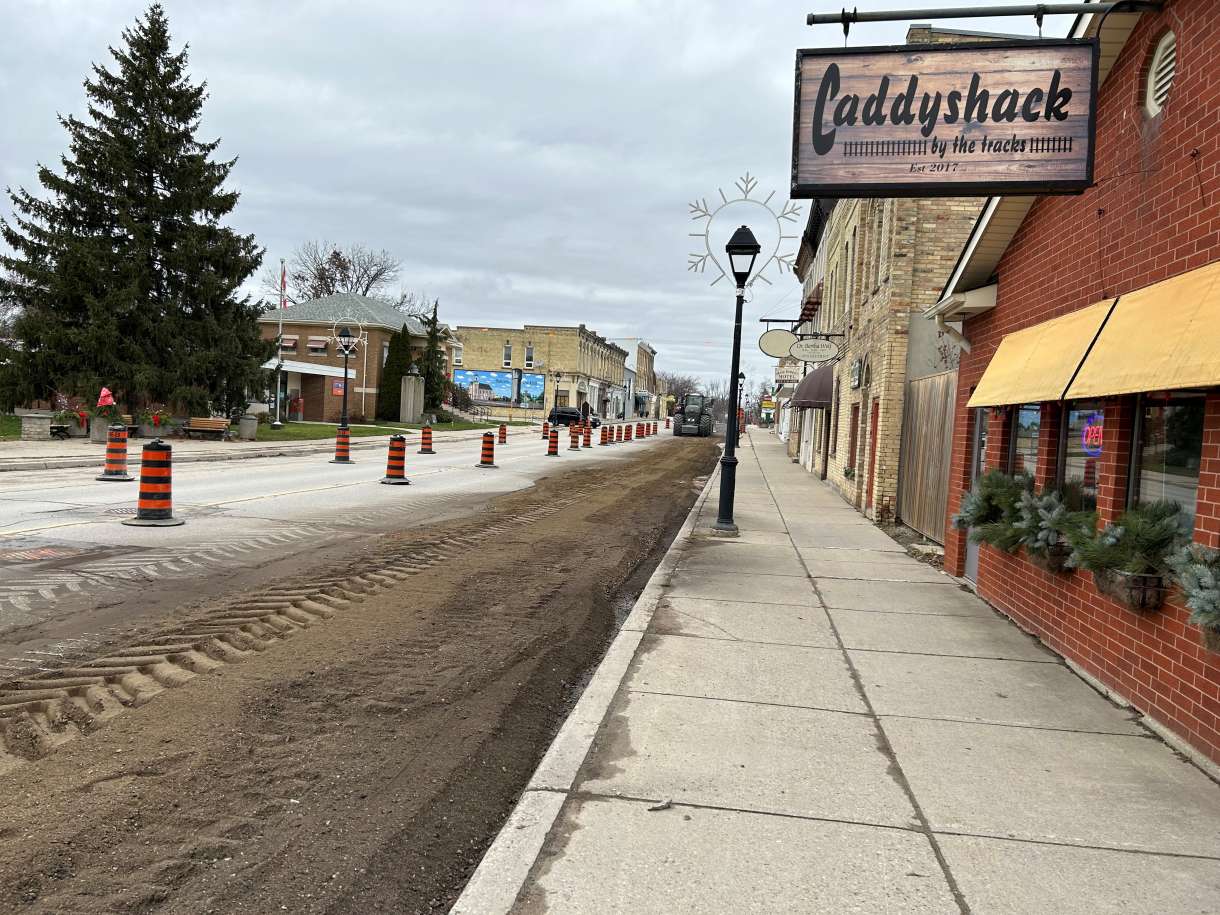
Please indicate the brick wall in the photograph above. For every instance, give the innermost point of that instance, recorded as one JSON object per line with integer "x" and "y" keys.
{"x": 366, "y": 363}
{"x": 1152, "y": 214}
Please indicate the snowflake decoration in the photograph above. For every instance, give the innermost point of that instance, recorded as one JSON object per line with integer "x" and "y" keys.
{"x": 785, "y": 219}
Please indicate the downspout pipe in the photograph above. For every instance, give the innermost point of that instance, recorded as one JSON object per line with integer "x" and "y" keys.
{"x": 953, "y": 334}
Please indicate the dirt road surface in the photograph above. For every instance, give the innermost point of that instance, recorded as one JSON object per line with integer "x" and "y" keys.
{"x": 346, "y": 742}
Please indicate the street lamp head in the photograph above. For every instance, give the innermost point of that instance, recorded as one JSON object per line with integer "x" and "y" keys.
{"x": 742, "y": 249}
{"x": 346, "y": 339}
{"x": 741, "y": 376}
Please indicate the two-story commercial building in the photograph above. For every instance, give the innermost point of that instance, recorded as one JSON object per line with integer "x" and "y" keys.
{"x": 521, "y": 373}
{"x": 642, "y": 399}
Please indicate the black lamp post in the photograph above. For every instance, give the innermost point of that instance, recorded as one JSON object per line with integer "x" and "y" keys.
{"x": 347, "y": 345}
{"x": 742, "y": 249}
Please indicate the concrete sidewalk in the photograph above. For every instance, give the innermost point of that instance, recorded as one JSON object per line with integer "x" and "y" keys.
{"x": 80, "y": 452}
{"x": 806, "y": 719}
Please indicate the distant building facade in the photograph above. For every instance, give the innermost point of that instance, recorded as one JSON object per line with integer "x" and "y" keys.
{"x": 522, "y": 373}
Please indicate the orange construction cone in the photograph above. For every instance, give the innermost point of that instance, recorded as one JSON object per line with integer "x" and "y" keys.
{"x": 552, "y": 442}
{"x": 115, "y": 468}
{"x": 573, "y": 437}
{"x": 396, "y": 463}
{"x": 605, "y": 436}
{"x": 618, "y": 433}
{"x": 503, "y": 434}
{"x": 487, "y": 457}
{"x": 627, "y": 432}
{"x": 425, "y": 441}
{"x": 588, "y": 434}
{"x": 343, "y": 446}
{"x": 155, "y": 506}
{"x": 546, "y": 430}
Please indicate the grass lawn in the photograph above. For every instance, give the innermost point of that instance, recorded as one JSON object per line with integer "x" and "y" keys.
{"x": 460, "y": 425}
{"x": 300, "y": 432}
{"x": 10, "y": 427}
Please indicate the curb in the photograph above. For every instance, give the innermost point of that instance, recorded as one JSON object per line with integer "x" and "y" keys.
{"x": 494, "y": 886}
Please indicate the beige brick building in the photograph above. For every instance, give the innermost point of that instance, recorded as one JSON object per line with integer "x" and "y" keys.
{"x": 521, "y": 373}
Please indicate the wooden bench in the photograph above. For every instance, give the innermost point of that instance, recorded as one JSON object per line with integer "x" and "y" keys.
{"x": 207, "y": 425}
{"x": 61, "y": 430}
{"x": 133, "y": 427}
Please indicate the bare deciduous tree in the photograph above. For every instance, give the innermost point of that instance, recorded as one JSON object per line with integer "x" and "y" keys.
{"x": 318, "y": 269}
{"x": 677, "y": 385}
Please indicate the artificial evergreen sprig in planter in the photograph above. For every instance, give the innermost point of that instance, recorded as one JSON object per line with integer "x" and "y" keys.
{"x": 989, "y": 510}
{"x": 1129, "y": 557}
{"x": 1044, "y": 524}
{"x": 1197, "y": 570}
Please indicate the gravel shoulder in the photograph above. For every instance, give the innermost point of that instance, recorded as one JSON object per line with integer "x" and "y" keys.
{"x": 361, "y": 762}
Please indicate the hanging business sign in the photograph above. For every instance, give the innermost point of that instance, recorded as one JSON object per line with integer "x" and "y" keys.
{"x": 776, "y": 342}
{"x": 814, "y": 349}
{"x": 997, "y": 117}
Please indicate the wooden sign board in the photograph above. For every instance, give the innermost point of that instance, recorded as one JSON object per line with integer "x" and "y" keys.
{"x": 1002, "y": 117}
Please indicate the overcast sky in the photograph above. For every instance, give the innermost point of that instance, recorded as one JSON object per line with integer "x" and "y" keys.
{"x": 528, "y": 161}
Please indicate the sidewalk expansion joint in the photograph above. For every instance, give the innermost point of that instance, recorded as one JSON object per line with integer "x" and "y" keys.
{"x": 808, "y": 708}
{"x": 1084, "y": 845}
{"x": 1024, "y": 727}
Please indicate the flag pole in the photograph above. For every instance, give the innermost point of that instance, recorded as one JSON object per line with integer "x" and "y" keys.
{"x": 277, "y": 423}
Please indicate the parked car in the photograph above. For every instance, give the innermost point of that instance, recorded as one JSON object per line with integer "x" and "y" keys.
{"x": 595, "y": 420}
{"x": 565, "y": 416}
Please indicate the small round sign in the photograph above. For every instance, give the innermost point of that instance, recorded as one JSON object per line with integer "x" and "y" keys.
{"x": 814, "y": 349}
{"x": 776, "y": 342}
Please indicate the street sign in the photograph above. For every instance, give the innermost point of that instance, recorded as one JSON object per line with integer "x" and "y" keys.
{"x": 814, "y": 349}
{"x": 776, "y": 342}
{"x": 997, "y": 117}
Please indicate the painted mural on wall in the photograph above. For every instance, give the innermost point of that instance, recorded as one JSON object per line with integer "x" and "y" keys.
{"x": 508, "y": 388}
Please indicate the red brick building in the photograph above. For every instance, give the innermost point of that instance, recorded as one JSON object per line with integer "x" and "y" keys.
{"x": 1108, "y": 305}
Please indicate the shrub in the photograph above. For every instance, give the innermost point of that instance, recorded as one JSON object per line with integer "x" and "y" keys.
{"x": 1139, "y": 542}
{"x": 1197, "y": 570}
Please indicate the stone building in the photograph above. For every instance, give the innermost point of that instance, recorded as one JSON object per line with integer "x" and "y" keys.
{"x": 642, "y": 396}
{"x": 311, "y": 381}
{"x": 870, "y": 267}
{"x": 522, "y": 373}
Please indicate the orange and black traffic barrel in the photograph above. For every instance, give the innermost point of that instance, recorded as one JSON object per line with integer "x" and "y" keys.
{"x": 573, "y": 437}
{"x": 115, "y": 468}
{"x": 588, "y": 443}
{"x": 618, "y": 433}
{"x": 503, "y": 438}
{"x": 546, "y": 430}
{"x": 343, "y": 446}
{"x": 627, "y": 432}
{"x": 487, "y": 457}
{"x": 425, "y": 441}
{"x": 155, "y": 506}
{"x": 396, "y": 462}
{"x": 552, "y": 442}
{"x": 605, "y": 436}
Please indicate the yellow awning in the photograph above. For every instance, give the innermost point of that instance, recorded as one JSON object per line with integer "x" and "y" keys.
{"x": 1037, "y": 363}
{"x": 1159, "y": 338}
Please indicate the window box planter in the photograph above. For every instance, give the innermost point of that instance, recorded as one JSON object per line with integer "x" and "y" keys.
{"x": 1138, "y": 592}
{"x": 1053, "y": 560}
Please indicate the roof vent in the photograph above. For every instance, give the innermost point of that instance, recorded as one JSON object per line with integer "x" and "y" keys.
{"x": 1160, "y": 74}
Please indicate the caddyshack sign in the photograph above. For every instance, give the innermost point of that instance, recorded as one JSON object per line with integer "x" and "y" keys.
{"x": 1003, "y": 117}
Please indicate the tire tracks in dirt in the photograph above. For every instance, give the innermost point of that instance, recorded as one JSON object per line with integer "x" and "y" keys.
{"x": 381, "y": 722}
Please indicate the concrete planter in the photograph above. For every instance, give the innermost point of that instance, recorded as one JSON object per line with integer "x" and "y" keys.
{"x": 99, "y": 429}
{"x": 1137, "y": 592}
{"x": 247, "y": 428}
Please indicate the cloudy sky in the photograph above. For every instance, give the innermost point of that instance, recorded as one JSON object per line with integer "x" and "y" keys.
{"x": 528, "y": 162}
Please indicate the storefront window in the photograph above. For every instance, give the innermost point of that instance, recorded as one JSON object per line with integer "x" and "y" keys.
{"x": 1168, "y": 449}
{"x": 1023, "y": 445}
{"x": 1082, "y": 437}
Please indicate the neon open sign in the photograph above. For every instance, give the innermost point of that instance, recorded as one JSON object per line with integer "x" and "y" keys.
{"x": 1091, "y": 436}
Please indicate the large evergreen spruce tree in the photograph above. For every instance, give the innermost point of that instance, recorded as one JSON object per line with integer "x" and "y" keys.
{"x": 122, "y": 272}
